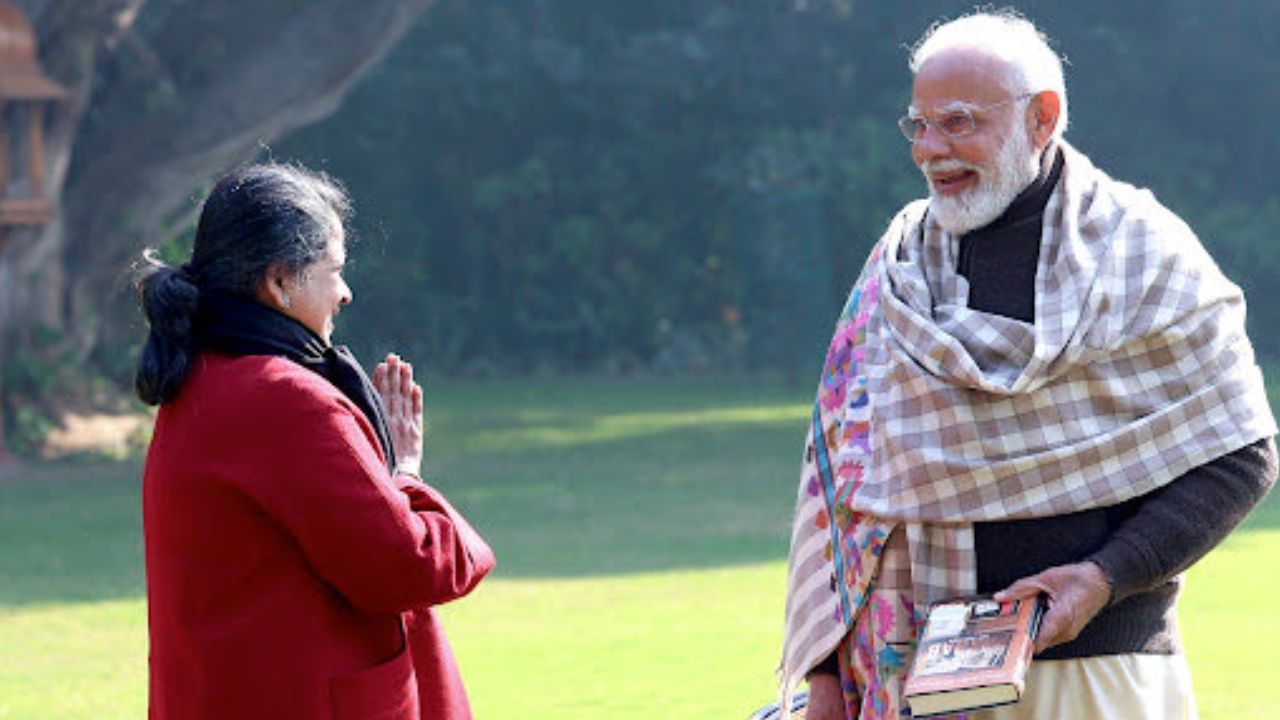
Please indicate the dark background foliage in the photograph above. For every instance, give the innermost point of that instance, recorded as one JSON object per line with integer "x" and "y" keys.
{"x": 587, "y": 185}
{"x": 583, "y": 186}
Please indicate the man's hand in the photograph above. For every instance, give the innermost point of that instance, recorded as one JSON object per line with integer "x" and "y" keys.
{"x": 1076, "y": 593}
{"x": 402, "y": 398}
{"x": 826, "y": 701}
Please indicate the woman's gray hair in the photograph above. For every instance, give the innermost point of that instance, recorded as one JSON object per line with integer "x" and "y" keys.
{"x": 256, "y": 217}
{"x": 1008, "y": 36}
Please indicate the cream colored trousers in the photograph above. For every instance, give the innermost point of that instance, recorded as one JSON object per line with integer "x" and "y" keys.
{"x": 1107, "y": 687}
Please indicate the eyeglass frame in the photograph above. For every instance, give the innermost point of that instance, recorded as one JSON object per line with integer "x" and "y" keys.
{"x": 914, "y": 127}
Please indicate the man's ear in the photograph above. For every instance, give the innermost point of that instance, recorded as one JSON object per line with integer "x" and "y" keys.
{"x": 273, "y": 291}
{"x": 1043, "y": 113}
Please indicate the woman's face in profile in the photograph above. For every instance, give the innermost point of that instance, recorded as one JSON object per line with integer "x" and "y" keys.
{"x": 317, "y": 296}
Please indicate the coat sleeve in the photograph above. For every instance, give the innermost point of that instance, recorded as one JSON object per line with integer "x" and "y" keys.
{"x": 1178, "y": 524}
{"x": 387, "y": 544}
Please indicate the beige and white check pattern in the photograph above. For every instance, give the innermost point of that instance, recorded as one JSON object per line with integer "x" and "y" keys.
{"x": 1136, "y": 370}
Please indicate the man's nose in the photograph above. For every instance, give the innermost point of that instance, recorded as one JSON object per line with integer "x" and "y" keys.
{"x": 931, "y": 144}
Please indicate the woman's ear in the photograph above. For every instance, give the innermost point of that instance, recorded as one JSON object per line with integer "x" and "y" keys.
{"x": 273, "y": 291}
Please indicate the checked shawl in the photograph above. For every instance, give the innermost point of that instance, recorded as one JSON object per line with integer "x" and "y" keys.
{"x": 931, "y": 416}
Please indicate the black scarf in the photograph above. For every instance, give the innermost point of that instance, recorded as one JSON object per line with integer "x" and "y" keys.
{"x": 235, "y": 325}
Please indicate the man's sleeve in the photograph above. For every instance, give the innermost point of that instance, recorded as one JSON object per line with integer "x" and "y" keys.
{"x": 829, "y": 666}
{"x": 1179, "y": 523}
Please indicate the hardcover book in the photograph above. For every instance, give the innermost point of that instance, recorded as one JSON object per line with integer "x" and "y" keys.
{"x": 973, "y": 653}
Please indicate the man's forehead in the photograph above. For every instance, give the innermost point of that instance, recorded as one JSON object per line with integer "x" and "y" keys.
{"x": 960, "y": 78}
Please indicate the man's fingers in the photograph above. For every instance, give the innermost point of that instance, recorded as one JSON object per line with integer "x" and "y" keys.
{"x": 1026, "y": 587}
{"x": 1055, "y": 628}
{"x": 1076, "y": 593}
{"x": 826, "y": 701}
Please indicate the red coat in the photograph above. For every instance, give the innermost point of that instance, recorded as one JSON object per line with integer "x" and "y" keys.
{"x": 287, "y": 575}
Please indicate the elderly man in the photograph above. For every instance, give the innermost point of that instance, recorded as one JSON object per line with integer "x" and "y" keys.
{"x": 1040, "y": 383}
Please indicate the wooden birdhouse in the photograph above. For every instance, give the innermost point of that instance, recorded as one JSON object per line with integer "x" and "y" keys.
{"x": 26, "y": 97}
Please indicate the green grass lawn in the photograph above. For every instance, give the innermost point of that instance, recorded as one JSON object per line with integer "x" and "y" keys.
{"x": 641, "y": 528}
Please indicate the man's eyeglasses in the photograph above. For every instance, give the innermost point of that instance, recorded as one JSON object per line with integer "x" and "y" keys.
{"x": 955, "y": 123}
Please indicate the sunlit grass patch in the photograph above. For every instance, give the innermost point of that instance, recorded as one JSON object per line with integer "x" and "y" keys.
{"x": 71, "y": 661}
{"x": 1231, "y": 628}
{"x": 541, "y": 430}
{"x": 689, "y": 644}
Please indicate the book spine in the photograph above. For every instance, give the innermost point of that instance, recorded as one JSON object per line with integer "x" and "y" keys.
{"x": 1028, "y": 642}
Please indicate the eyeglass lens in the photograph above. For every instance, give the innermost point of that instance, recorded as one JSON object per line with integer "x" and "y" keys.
{"x": 956, "y": 123}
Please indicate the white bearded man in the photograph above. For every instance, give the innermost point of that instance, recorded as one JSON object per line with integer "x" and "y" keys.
{"x": 1040, "y": 383}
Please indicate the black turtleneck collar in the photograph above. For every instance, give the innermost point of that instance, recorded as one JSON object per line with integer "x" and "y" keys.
{"x": 999, "y": 260}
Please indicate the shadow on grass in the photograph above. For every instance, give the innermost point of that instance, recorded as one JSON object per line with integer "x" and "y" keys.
{"x": 565, "y": 479}
{"x": 608, "y": 477}
{"x": 69, "y": 532}
{"x": 614, "y": 507}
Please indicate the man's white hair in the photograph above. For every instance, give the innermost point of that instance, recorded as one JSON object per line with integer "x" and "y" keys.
{"x": 1008, "y": 36}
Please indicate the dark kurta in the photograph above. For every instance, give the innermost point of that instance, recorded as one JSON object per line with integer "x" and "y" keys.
{"x": 287, "y": 575}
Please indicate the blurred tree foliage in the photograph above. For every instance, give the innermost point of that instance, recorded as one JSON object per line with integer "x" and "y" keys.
{"x": 571, "y": 185}
{"x": 163, "y": 97}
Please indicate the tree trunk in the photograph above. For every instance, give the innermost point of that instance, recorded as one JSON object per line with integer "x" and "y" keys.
{"x": 165, "y": 96}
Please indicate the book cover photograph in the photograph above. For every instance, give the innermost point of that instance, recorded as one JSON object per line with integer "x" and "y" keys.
{"x": 973, "y": 653}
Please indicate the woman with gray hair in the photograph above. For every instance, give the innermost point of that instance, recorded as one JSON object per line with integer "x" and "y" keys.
{"x": 293, "y": 552}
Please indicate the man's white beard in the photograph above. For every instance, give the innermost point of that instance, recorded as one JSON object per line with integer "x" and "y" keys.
{"x": 1012, "y": 170}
